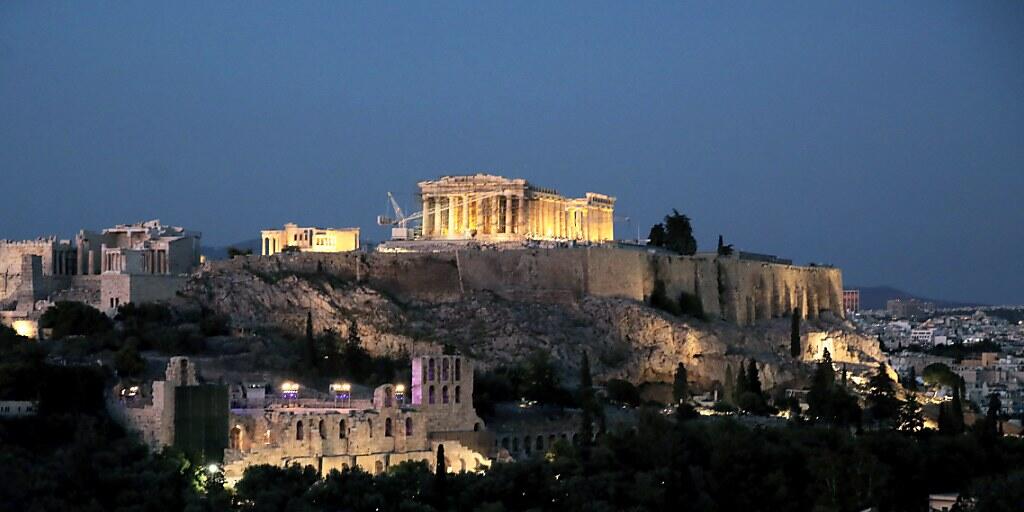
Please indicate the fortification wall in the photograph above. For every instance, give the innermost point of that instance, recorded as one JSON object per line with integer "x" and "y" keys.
{"x": 739, "y": 291}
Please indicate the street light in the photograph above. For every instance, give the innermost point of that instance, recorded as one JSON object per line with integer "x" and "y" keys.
{"x": 400, "y": 394}
{"x": 289, "y": 390}
{"x": 341, "y": 391}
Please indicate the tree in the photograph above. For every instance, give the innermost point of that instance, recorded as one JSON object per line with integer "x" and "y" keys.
{"x": 656, "y": 238}
{"x": 68, "y": 318}
{"x": 882, "y": 400}
{"x": 440, "y": 466}
{"x": 679, "y": 234}
{"x": 956, "y": 409}
{"x": 235, "y": 251}
{"x": 741, "y": 385}
{"x": 128, "y": 362}
{"x": 828, "y": 402}
{"x": 910, "y": 418}
{"x": 794, "y": 334}
{"x": 992, "y": 427}
{"x": 723, "y": 249}
{"x": 730, "y": 385}
{"x": 912, "y": 380}
{"x": 680, "y": 388}
{"x": 622, "y": 391}
{"x": 586, "y": 402}
{"x": 310, "y": 343}
{"x": 753, "y": 380}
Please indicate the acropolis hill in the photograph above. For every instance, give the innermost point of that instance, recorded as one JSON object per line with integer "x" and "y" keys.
{"x": 497, "y": 306}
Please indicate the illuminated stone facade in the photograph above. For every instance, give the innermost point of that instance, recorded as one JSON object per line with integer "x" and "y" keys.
{"x": 495, "y": 208}
{"x": 397, "y": 425}
{"x": 308, "y": 239}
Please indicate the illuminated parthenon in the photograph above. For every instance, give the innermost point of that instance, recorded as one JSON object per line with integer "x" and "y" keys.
{"x": 495, "y": 208}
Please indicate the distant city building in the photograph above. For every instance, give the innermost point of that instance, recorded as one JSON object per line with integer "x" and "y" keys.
{"x": 851, "y": 300}
{"x": 308, "y": 239}
{"x": 18, "y": 408}
{"x": 908, "y": 308}
{"x": 494, "y": 208}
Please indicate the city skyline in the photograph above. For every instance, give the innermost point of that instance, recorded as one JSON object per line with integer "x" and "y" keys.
{"x": 883, "y": 139}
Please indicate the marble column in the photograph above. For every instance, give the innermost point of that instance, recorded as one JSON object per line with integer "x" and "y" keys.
{"x": 451, "y": 216}
{"x": 437, "y": 217}
{"x": 428, "y": 219}
{"x": 465, "y": 214}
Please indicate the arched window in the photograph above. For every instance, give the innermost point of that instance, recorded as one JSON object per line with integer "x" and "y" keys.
{"x": 298, "y": 431}
{"x": 540, "y": 443}
{"x": 430, "y": 370}
{"x": 369, "y": 427}
{"x": 323, "y": 431}
{"x": 527, "y": 444}
{"x": 341, "y": 429}
{"x": 515, "y": 444}
{"x": 504, "y": 443}
{"x": 458, "y": 369}
{"x": 408, "y": 426}
{"x": 387, "y": 427}
{"x": 476, "y": 427}
{"x": 444, "y": 369}
{"x": 235, "y": 441}
{"x": 551, "y": 440}
{"x": 430, "y": 398}
{"x": 444, "y": 394}
{"x": 458, "y": 394}
{"x": 387, "y": 397}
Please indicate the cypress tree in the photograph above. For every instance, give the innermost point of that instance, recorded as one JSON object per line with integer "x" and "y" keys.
{"x": 440, "y": 475}
{"x": 794, "y": 334}
{"x": 753, "y": 380}
{"x": 730, "y": 385}
{"x": 912, "y": 380}
{"x": 310, "y": 342}
{"x": 586, "y": 402}
{"x": 910, "y": 419}
{"x": 992, "y": 425}
{"x": 956, "y": 416}
{"x": 680, "y": 390}
{"x": 741, "y": 385}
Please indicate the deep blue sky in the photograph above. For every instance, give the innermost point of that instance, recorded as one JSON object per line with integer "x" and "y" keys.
{"x": 886, "y": 138}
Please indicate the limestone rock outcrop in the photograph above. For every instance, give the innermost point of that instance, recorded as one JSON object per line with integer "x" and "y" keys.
{"x": 625, "y": 338}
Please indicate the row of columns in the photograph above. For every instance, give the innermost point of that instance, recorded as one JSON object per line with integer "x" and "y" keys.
{"x": 456, "y": 215}
{"x": 64, "y": 262}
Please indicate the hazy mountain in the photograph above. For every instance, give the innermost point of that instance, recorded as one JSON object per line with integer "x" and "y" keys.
{"x": 875, "y": 297}
{"x": 221, "y": 253}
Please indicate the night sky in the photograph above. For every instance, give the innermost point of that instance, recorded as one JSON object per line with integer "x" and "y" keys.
{"x": 886, "y": 138}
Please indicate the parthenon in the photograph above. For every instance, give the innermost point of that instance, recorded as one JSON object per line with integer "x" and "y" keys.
{"x": 494, "y": 208}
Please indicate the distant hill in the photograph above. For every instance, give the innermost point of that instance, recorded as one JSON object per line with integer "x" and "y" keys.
{"x": 875, "y": 297}
{"x": 221, "y": 253}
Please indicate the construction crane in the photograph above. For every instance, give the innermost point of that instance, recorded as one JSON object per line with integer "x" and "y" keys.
{"x": 400, "y": 222}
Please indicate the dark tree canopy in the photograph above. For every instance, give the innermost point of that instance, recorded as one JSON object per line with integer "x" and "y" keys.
{"x": 74, "y": 319}
{"x": 675, "y": 234}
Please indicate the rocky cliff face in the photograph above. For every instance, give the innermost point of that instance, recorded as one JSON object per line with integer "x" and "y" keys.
{"x": 625, "y": 339}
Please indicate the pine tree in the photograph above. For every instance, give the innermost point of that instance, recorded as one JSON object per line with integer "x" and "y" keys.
{"x": 741, "y": 385}
{"x": 910, "y": 418}
{"x": 680, "y": 389}
{"x": 882, "y": 396}
{"x": 794, "y": 334}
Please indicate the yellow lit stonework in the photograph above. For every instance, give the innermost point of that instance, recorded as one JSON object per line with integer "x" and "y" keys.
{"x": 495, "y": 208}
{"x": 27, "y": 328}
{"x": 308, "y": 239}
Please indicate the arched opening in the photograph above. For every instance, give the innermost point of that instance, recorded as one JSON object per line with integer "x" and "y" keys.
{"x": 515, "y": 444}
{"x": 527, "y": 445}
{"x": 408, "y": 426}
{"x": 299, "y": 434}
{"x": 540, "y": 443}
{"x": 458, "y": 394}
{"x": 387, "y": 427}
{"x": 444, "y": 394}
{"x": 444, "y": 369}
{"x": 458, "y": 369}
{"x": 341, "y": 429}
{"x": 387, "y": 396}
{"x": 323, "y": 431}
{"x": 235, "y": 439}
{"x": 430, "y": 395}
{"x": 476, "y": 427}
{"x": 430, "y": 370}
